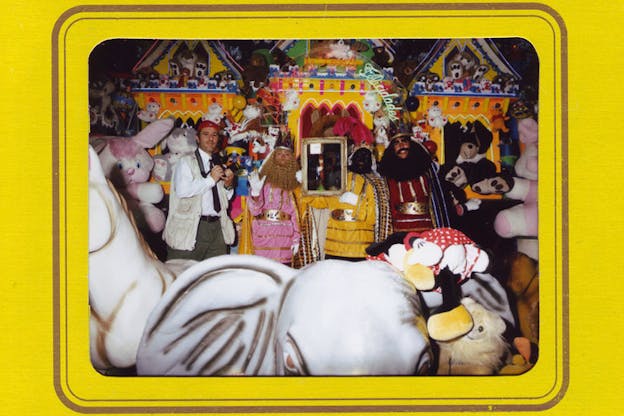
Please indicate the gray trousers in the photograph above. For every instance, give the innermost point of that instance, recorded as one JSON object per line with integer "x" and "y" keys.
{"x": 208, "y": 243}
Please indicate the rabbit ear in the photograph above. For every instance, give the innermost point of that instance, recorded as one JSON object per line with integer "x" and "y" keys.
{"x": 153, "y": 133}
{"x": 218, "y": 317}
{"x": 96, "y": 173}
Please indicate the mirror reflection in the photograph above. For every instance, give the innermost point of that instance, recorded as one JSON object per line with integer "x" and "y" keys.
{"x": 324, "y": 164}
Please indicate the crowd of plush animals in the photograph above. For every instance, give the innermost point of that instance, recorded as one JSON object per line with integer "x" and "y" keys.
{"x": 247, "y": 315}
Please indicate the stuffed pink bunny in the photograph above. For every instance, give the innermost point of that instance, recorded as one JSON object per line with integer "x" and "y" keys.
{"x": 128, "y": 165}
{"x": 526, "y": 165}
{"x": 521, "y": 220}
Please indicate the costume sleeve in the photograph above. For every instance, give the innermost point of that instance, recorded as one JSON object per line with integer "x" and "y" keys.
{"x": 256, "y": 204}
{"x": 185, "y": 185}
{"x": 291, "y": 209}
{"x": 317, "y": 201}
{"x": 371, "y": 206}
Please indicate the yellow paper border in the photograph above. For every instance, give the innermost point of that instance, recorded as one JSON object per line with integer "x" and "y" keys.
{"x": 79, "y": 29}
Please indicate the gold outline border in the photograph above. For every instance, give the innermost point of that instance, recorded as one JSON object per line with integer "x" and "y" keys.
{"x": 267, "y": 7}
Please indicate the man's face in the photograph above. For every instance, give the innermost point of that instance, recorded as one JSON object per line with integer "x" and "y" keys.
{"x": 361, "y": 161}
{"x": 208, "y": 139}
{"x": 283, "y": 156}
{"x": 401, "y": 147}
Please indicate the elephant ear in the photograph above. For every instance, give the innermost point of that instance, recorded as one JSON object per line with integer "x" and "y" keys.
{"x": 217, "y": 318}
{"x": 487, "y": 291}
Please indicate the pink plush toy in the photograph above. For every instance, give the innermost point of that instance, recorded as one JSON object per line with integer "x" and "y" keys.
{"x": 128, "y": 165}
{"x": 521, "y": 220}
{"x": 526, "y": 165}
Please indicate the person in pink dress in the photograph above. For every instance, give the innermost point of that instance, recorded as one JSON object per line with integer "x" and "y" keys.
{"x": 272, "y": 204}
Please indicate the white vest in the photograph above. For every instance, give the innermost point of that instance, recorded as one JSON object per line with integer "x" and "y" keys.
{"x": 184, "y": 213}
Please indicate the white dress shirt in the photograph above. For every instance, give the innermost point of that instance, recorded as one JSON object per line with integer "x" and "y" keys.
{"x": 186, "y": 186}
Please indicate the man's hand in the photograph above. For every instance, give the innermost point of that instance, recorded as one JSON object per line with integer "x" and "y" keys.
{"x": 473, "y": 204}
{"x": 228, "y": 177}
{"x": 217, "y": 173}
{"x": 255, "y": 183}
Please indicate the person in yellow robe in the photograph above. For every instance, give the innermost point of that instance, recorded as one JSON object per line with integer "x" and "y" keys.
{"x": 358, "y": 217}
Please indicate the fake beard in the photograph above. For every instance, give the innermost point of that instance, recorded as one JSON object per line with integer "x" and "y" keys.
{"x": 280, "y": 176}
{"x": 418, "y": 161}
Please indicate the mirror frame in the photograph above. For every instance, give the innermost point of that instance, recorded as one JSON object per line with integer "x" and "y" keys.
{"x": 305, "y": 143}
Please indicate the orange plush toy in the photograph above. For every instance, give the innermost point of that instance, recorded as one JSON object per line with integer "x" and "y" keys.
{"x": 524, "y": 284}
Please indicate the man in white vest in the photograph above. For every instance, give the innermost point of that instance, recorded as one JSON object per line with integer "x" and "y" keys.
{"x": 198, "y": 225}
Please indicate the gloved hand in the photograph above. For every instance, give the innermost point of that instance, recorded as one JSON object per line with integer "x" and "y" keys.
{"x": 349, "y": 198}
{"x": 255, "y": 183}
{"x": 473, "y": 204}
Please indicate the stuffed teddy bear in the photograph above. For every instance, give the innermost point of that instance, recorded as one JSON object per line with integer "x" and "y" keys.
{"x": 497, "y": 120}
{"x": 381, "y": 57}
{"x": 128, "y": 165}
{"x": 180, "y": 142}
{"x": 150, "y": 113}
{"x": 255, "y": 74}
{"x": 469, "y": 144}
{"x": 435, "y": 118}
{"x": 214, "y": 113}
{"x": 482, "y": 351}
{"x": 291, "y": 100}
{"x": 479, "y": 73}
{"x": 381, "y": 125}
{"x": 371, "y": 102}
{"x": 101, "y": 99}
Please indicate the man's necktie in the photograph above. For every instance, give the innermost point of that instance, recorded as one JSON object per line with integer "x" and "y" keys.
{"x": 215, "y": 194}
